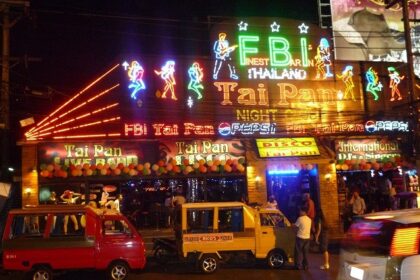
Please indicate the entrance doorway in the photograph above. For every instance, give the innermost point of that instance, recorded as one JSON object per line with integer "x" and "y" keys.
{"x": 287, "y": 187}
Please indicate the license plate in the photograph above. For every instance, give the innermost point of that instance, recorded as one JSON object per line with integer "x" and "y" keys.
{"x": 356, "y": 273}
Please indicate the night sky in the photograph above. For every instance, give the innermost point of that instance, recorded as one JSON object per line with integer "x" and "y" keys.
{"x": 77, "y": 40}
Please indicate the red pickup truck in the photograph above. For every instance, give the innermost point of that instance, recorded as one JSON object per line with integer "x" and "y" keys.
{"x": 44, "y": 239}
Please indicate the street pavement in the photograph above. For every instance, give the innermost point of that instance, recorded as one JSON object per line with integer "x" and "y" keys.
{"x": 178, "y": 270}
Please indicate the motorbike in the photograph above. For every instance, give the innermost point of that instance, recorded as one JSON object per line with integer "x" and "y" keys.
{"x": 164, "y": 250}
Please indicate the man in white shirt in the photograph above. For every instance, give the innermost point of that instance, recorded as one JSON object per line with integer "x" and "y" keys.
{"x": 303, "y": 224}
{"x": 358, "y": 204}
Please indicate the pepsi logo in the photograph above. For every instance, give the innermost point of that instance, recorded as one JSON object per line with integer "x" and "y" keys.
{"x": 370, "y": 126}
{"x": 224, "y": 129}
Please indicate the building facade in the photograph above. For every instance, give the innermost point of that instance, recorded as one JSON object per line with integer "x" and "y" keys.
{"x": 269, "y": 113}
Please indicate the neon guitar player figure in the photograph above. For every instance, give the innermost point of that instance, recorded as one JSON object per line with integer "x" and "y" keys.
{"x": 222, "y": 50}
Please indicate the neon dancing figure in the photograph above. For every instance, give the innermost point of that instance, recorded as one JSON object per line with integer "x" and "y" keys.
{"x": 395, "y": 80}
{"x": 222, "y": 50}
{"x": 324, "y": 51}
{"x": 135, "y": 73}
{"x": 167, "y": 74}
{"x": 347, "y": 77}
{"x": 373, "y": 84}
{"x": 319, "y": 63}
{"x": 196, "y": 77}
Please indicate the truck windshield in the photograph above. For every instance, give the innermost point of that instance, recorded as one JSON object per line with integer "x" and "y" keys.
{"x": 369, "y": 237}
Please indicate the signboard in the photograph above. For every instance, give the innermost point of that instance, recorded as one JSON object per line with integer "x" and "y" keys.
{"x": 208, "y": 150}
{"x": 386, "y": 126}
{"x": 266, "y": 77}
{"x": 287, "y": 147}
{"x": 208, "y": 237}
{"x": 93, "y": 153}
{"x": 366, "y": 149}
{"x": 365, "y": 30}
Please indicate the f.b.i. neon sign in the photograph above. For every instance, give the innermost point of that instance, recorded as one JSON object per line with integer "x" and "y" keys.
{"x": 280, "y": 55}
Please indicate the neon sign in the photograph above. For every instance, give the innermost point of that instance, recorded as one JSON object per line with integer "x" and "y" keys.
{"x": 303, "y": 28}
{"x": 195, "y": 73}
{"x": 366, "y": 149}
{"x": 287, "y": 147}
{"x": 325, "y": 128}
{"x": 378, "y": 126}
{"x": 395, "y": 80}
{"x": 288, "y": 94}
{"x": 90, "y": 153}
{"x": 275, "y": 27}
{"x": 161, "y": 129}
{"x": 323, "y": 60}
{"x": 222, "y": 51}
{"x": 193, "y": 129}
{"x": 279, "y": 64}
{"x": 373, "y": 84}
{"x": 135, "y": 72}
{"x": 243, "y": 26}
{"x": 135, "y": 129}
{"x": 208, "y": 150}
{"x": 279, "y": 50}
{"x": 325, "y": 54}
{"x": 229, "y": 129}
{"x": 347, "y": 78}
{"x": 166, "y": 73}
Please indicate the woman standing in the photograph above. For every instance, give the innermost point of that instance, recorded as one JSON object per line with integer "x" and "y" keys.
{"x": 321, "y": 238}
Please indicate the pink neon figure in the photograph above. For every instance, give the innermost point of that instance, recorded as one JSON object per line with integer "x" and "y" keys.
{"x": 167, "y": 74}
{"x": 395, "y": 80}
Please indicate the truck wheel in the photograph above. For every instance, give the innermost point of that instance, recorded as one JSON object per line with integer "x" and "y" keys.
{"x": 208, "y": 263}
{"x": 162, "y": 255}
{"x": 42, "y": 273}
{"x": 118, "y": 271}
{"x": 276, "y": 259}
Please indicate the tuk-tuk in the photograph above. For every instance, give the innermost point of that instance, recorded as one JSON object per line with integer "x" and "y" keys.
{"x": 207, "y": 233}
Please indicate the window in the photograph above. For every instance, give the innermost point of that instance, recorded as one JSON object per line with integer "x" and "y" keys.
{"x": 115, "y": 227}
{"x": 273, "y": 220}
{"x": 200, "y": 220}
{"x": 28, "y": 226}
{"x": 71, "y": 224}
{"x": 266, "y": 220}
{"x": 231, "y": 220}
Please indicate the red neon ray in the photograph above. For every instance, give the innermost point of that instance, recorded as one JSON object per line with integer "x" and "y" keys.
{"x": 103, "y": 109}
{"x": 77, "y": 95}
{"x": 38, "y": 130}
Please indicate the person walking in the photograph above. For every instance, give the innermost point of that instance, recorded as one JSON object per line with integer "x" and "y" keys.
{"x": 321, "y": 238}
{"x": 303, "y": 224}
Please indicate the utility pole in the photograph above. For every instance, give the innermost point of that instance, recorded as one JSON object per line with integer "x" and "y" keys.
{"x": 7, "y": 23}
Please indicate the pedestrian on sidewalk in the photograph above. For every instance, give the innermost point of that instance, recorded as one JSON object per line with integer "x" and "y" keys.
{"x": 303, "y": 237}
{"x": 321, "y": 238}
